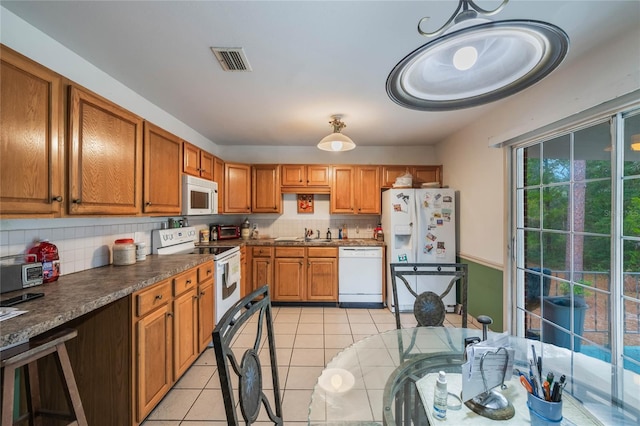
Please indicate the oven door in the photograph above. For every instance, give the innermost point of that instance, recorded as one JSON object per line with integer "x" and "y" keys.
{"x": 227, "y": 283}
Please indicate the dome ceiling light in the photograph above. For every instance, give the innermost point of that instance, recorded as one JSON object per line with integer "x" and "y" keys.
{"x": 473, "y": 61}
{"x": 336, "y": 141}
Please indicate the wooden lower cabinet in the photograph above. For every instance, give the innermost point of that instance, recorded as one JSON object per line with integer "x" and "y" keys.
{"x": 322, "y": 274}
{"x": 206, "y": 305}
{"x": 261, "y": 267}
{"x": 185, "y": 331}
{"x": 305, "y": 274}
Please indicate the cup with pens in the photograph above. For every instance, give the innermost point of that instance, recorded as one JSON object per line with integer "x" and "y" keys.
{"x": 544, "y": 397}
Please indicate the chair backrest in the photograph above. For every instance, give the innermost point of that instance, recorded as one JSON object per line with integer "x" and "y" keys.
{"x": 245, "y": 363}
{"x": 428, "y": 308}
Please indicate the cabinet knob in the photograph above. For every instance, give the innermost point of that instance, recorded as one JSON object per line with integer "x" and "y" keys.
{"x": 188, "y": 281}
{"x": 208, "y": 271}
{"x": 202, "y": 293}
{"x": 58, "y": 198}
{"x": 158, "y": 297}
{"x": 77, "y": 201}
{"x": 148, "y": 203}
{"x": 169, "y": 314}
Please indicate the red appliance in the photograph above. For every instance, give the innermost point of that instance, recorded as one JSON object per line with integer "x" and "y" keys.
{"x": 228, "y": 232}
{"x": 47, "y": 254}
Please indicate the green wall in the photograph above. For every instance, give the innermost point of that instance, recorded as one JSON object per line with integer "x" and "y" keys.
{"x": 484, "y": 295}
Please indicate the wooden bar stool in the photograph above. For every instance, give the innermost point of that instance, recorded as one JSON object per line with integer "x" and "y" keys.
{"x": 27, "y": 355}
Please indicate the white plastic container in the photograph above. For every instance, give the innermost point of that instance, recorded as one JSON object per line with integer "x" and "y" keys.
{"x": 141, "y": 251}
{"x": 124, "y": 252}
{"x": 440, "y": 397}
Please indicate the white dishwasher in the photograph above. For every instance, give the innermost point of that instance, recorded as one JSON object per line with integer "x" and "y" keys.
{"x": 360, "y": 277}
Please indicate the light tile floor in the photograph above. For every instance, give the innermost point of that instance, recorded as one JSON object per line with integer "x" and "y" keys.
{"x": 307, "y": 338}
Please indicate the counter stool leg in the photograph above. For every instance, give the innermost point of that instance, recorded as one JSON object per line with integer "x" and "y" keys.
{"x": 72, "y": 394}
{"x": 8, "y": 379}
{"x": 32, "y": 383}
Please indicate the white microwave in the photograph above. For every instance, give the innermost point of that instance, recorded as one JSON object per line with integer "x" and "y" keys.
{"x": 199, "y": 196}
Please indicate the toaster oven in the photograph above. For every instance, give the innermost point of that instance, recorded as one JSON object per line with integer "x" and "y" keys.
{"x": 228, "y": 232}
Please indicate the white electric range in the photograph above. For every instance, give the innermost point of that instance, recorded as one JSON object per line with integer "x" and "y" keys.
{"x": 226, "y": 260}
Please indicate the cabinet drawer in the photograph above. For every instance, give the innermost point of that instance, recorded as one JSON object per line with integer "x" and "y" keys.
{"x": 262, "y": 251}
{"x": 205, "y": 271}
{"x": 148, "y": 300}
{"x": 185, "y": 281}
{"x": 289, "y": 251}
{"x": 322, "y": 252}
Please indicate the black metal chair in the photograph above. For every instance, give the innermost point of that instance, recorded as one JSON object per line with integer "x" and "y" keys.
{"x": 245, "y": 364}
{"x": 428, "y": 308}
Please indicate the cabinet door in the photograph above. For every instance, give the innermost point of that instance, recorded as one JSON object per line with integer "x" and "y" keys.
{"x": 191, "y": 159}
{"x": 390, "y": 173}
{"x": 206, "y": 314}
{"x": 265, "y": 194}
{"x": 237, "y": 188}
{"x": 105, "y": 156}
{"x": 206, "y": 165}
{"x": 262, "y": 272}
{"x": 293, "y": 175}
{"x": 289, "y": 279}
{"x": 318, "y": 175}
{"x": 423, "y": 174}
{"x": 162, "y": 185}
{"x": 368, "y": 190}
{"x": 30, "y": 137}
{"x": 322, "y": 279}
{"x": 185, "y": 332}
{"x": 218, "y": 177}
{"x": 342, "y": 200}
{"x": 153, "y": 360}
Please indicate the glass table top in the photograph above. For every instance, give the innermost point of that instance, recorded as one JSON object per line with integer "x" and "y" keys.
{"x": 358, "y": 386}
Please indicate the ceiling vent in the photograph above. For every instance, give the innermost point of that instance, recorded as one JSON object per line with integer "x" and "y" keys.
{"x": 232, "y": 58}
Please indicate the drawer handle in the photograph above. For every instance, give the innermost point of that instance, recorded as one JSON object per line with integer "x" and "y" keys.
{"x": 77, "y": 201}
{"x": 202, "y": 293}
{"x": 188, "y": 281}
{"x": 58, "y": 198}
{"x": 208, "y": 271}
{"x": 158, "y": 296}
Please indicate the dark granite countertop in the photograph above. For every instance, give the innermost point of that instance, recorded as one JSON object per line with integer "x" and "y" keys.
{"x": 351, "y": 242}
{"x": 76, "y": 294}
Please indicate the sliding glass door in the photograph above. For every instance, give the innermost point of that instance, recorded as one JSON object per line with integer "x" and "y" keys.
{"x": 576, "y": 259}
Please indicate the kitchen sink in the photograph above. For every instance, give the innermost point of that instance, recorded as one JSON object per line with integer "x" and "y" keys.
{"x": 288, "y": 239}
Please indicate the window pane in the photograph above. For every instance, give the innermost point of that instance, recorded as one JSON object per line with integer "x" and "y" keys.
{"x": 532, "y": 250}
{"x": 592, "y": 258}
{"x": 631, "y": 207}
{"x": 532, "y": 208}
{"x": 632, "y": 334}
{"x": 597, "y": 314}
{"x": 536, "y": 285}
{"x": 592, "y": 153}
{"x": 631, "y": 258}
{"x": 554, "y": 251}
{"x": 632, "y": 154}
{"x": 592, "y": 207}
{"x": 555, "y": 207}
{"x": 556, "y": 164}
{"x": 531, "y": 165}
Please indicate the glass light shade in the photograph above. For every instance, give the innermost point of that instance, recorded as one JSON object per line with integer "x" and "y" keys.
{"x": 336, "y": 142}
{"x": 511, "y": 56}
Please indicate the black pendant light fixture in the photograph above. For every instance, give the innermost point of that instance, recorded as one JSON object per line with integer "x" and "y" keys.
{"x": 472, "y": 61}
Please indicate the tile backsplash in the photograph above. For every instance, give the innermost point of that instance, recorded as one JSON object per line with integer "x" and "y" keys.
{"x": 85, "y": 243}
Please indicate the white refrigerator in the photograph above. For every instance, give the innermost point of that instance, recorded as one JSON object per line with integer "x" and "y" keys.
{"x": 419, "y": 227}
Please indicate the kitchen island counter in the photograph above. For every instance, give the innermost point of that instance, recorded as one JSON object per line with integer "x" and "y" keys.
{"x": 74, "y": 295}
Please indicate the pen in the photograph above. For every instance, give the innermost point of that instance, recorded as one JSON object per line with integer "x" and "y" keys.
{"x": 526, "y": 384}
{"x": 550, "y": 378}
{"x": 547, "y": 391}
{"x": 555, "y": 393}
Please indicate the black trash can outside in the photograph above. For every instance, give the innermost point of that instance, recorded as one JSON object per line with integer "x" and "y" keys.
{"x": 558, "y": 311}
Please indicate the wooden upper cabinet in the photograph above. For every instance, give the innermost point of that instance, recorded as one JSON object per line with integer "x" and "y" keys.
{"x": 367, "y": 187}
{"x": 31, "y": 141}
{"x": 105, "y": 156}
{"x": 342, "y": 193}
{"x": 265, "y": 188}
{"x": 316, "y": 177}
{"x": 162, "y": 158}
{"x": 197, "y": 162}
{"x": 355, "y": 190}
{"x": 218, "y": 177}
{"x": 424, "y": 174}
{"x": 420, "y": 174}
{"x": 237, "y": 188}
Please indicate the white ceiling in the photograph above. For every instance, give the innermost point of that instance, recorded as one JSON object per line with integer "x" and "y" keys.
{"x": 310, "y": 59}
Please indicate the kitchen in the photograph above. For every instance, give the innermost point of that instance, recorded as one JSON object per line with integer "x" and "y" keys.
{"x": 476, "y": 171}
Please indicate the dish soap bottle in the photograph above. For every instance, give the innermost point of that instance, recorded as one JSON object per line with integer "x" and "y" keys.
{"x": 328, "y": 233}
{"x": 440, "y": 397}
